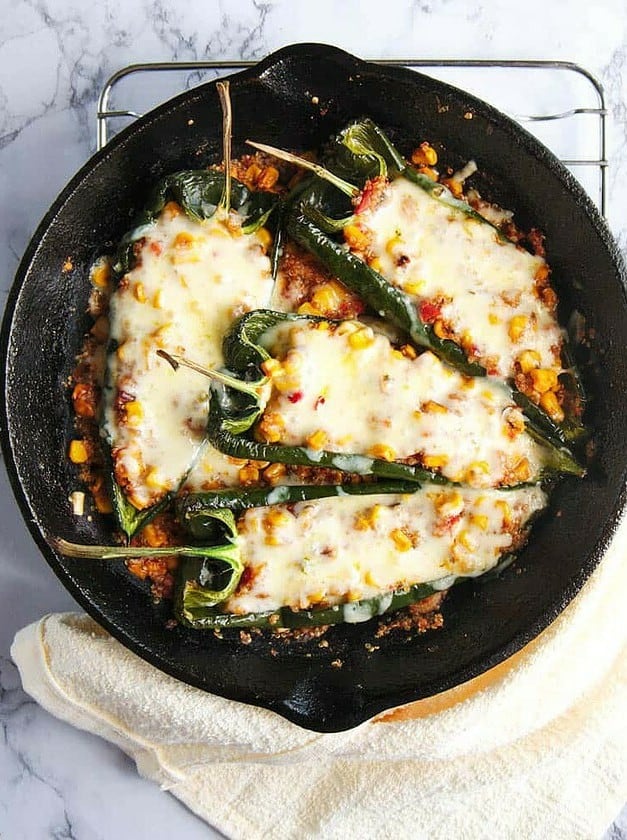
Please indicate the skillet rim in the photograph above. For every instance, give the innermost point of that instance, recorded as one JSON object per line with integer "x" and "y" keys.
{"x": 316, "y": 721}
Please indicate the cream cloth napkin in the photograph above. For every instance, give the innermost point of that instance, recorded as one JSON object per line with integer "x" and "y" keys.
{"x": 536, "y": 748}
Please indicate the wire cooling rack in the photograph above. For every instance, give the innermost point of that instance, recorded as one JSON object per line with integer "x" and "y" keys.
{"x": 560, "y": 102}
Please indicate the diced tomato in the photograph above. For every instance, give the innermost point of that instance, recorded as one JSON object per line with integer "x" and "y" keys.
{"x": 295, "y": 396}
{"x": 429, "y": 312}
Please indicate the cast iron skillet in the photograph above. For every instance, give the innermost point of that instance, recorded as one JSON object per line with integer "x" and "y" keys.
{"x": 44, "y": 322}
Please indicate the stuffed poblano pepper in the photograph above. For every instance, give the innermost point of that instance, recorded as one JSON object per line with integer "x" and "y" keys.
{"x": 197, "y": 257}
{"x": 419, "y": 254}
{"x": 308, "y": 556}
{"x": 308, "y": 391}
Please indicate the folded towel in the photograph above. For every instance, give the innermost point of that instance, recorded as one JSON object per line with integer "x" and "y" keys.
{"x": 535, "y": 748}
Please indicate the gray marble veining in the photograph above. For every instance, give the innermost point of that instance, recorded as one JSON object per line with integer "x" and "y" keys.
{"x": 55, "y": 781}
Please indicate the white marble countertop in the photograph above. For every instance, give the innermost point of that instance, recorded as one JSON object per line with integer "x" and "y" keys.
{"x": 57, "y": 782}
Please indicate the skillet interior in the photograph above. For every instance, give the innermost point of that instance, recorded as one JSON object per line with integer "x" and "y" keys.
{"x": 44, "y": 323}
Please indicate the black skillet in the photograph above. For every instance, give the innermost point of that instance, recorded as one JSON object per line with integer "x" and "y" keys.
{"x": 274, "y": 102}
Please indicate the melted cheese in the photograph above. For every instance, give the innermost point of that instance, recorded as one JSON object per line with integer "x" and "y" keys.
{"x": 353, "y": 548}
{"x": 191, "y": 280}
{"x": 432, "y": 251}
{"x": 349, "y": 391}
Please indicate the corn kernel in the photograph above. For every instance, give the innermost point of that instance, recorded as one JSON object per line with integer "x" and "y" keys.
{"x": 273, "y": 539}
{"x": 248, "y": 474}
{"x": 521, "y": 470}
{"x": 317, "y": 440}
{"x": 409, "y": 352}
{"x": 448, "y": 504}
{"x": 100, "y": 275}
{"x": 274, "y": 472}
{"x": 271, "y": 367}
{"x": 183, "y": 240}
{"x": 434, "y": 462}
{"x": 361, "y": 339}
{"x": 276, "y": 517}
{"x": 400, "y": 540}
{"x": 307, "y": 309}
{"x": 347, "y": 327}
{"x": 154, "y": 480}
{"x": 139, "y": 293}
{"x": 392, "y": 244}
{"x": 505, "y": 510}
{"x": 380, "y": 450}
{"x": 480, "y": 520}
{"x": 454, "y": 186}
{"x": 134, "y": 412}
{"x": 550, "y": 404}
{"x": 157, "y": 300}
{"x": 329, "y": 296}
{"x": 361, "y": 523}
{"x": 439, "y": 329}
{"x": 431, "y": 173}
{"x": 465, "y": 538}
{"x": 434, "y": 407}
{"x": 488, "y": 395}
{"x": 476, "y": 470}
{"x": 271, "y": 428}
{"x": 493, "y": 319}
{"x": 368, "y": 519}
{"x": 544, "y": 380}
{"x": 78, "y": 452}
{"x": 172, "y": 209}
{"x": 517, "y": 326}
{"x": 284, "y": 383}
{"x": 369, "y": 579}
{"x": 424, "y": 155}
{"x": 529, "y": 360}
{"x": 355, "y": 238}
{"x": 414, "y": 287}
{"x": 376, "y": 265}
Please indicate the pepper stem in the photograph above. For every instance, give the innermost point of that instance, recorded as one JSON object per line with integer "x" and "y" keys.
{"x": 252, "y": 388}
{"x": 348, "y": 189}
{"x": 120, "y": 552}
{"x": 108, "y": 552}
{"x": 227, "y": 131}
